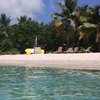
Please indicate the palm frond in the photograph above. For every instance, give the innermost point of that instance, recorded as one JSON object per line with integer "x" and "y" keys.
{"x": 83, "y": 18}
{"x": 61, "y": 5}
{"x": 64, "y": 8}
{"x": 4, "y": 20}
{"x": 71, "y": 4}
{"x": 22, "y": 19}
{"x": 56, "y": 15}
{"x": 87, "y": 25}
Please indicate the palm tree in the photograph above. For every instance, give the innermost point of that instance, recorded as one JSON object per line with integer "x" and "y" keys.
{"x": 81, "y": 17}
{"x": 90, "y": 21}
{"x": 22, "y": 19}
{"x": 4, "y": 24}
{"x": 86, "y": 19}
{"x": 65, "y": 17}
{"x": 95, "y": 18}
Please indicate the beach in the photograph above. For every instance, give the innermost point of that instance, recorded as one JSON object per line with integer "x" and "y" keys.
{"x": 81, "y": 61}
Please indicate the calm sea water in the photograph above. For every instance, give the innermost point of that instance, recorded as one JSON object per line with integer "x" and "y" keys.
{"x": 20, "y": 83}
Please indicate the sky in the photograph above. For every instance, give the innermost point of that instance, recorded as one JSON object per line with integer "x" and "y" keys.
{"x": 39, "y": 10}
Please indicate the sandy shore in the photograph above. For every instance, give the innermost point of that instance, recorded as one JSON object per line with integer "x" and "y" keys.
{"x": 85, "y": 61}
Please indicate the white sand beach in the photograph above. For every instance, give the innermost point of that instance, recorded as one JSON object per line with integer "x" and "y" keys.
{"x": 82, "y": 61}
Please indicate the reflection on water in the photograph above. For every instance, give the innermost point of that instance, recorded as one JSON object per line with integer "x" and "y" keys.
{"x": 20, "y": 83}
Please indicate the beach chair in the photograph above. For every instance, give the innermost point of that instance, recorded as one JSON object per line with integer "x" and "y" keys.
{"x": 88, "y": 50}
{"x": 76, "y": 49}
{"x": 70, "y": 50}
{"x": 59, "y": 50}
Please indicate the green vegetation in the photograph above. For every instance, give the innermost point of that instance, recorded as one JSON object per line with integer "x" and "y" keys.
{"x": 16, "y": 38}
{"x": 81, "y": 24}
{"x": 74, "y": 26}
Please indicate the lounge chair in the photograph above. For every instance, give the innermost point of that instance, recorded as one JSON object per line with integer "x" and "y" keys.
{"x": 88, "y": 50}
{"x": 59, "y": 50}
{"x": 76, "y": 49}
{"x": 70, "y": 50}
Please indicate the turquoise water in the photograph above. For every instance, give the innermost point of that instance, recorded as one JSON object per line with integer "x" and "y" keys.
{"x": 20, "y": 83}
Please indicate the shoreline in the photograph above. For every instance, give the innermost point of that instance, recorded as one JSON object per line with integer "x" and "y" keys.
{"x": 79, "y": 61}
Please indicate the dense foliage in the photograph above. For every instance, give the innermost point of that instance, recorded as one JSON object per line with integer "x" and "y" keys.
{"x": 82, "y": 24}
{"x": 74, "y": 26}
{"x": 16, "y": 38}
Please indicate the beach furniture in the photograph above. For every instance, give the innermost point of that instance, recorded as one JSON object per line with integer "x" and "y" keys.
{"x": 59, "y": 50}
{"x": 29, "y": 51}
{"x": 32, "y": 51}
{"x": 70, "y": 50}
{"x": 42, "y": 51}
{"x": 88, "y": 50}
{"x": 76, "y": 49}
{"x": 37, "y": 50}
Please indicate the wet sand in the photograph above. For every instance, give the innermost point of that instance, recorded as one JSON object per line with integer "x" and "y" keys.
{"x": 81, "y": 61}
